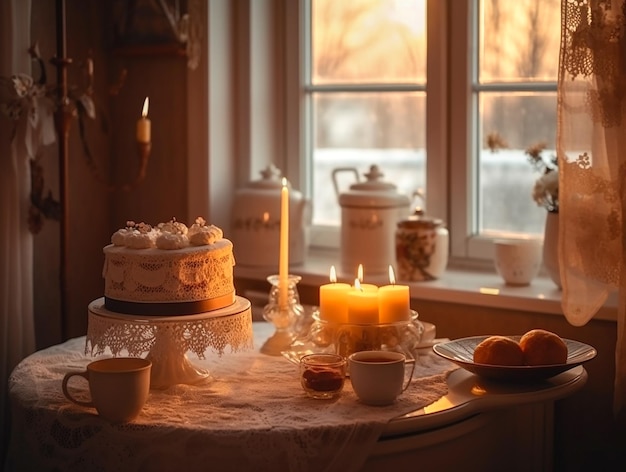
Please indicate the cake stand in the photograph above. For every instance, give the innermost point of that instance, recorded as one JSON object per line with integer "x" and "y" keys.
{"x": 167, "y": 339}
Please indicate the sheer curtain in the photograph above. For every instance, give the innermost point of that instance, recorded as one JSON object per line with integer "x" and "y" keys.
{"x": 592, "y": 166}
{"x": 17, "y": 337}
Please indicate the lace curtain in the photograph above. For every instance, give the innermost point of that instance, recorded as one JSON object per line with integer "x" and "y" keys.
{"x": 592, "y": 165}
{"x": 17, "y": 337}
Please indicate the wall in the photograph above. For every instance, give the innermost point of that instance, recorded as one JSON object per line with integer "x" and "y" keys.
{"x": 95, "y": 211}
{"x": 88, "y": 201}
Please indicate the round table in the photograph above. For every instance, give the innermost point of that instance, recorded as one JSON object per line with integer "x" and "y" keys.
{"x": 252, "y": 414}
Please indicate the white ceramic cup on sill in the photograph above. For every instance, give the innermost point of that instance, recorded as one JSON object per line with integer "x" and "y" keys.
{"x": 518, "y": 261}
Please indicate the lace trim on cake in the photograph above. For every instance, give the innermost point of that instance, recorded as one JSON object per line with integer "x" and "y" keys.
{"x": 166, "y": 276}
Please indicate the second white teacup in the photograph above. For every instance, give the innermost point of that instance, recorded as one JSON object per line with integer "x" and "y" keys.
{"x": 518, "y": 261}
{"x": 378, "y": 377}
{"x": 119, "y": 387}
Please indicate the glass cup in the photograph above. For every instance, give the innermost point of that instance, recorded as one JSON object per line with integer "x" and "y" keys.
{"x": 322, "y": 375}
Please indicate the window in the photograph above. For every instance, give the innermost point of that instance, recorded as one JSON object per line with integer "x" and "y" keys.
{"x": 515, "y": 98}
{"x": 367, "y": 105}
{"x": 418, "y": 87}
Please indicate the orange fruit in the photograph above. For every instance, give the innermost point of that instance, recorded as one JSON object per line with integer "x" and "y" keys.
{"x": 498, "y": 350}
{"x": 541, "y": 347}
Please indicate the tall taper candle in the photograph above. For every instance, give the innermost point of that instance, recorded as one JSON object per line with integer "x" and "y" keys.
{"x": 283, "y": 265}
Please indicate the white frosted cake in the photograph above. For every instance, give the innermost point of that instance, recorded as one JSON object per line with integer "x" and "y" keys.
{"x": 168, "y": 270}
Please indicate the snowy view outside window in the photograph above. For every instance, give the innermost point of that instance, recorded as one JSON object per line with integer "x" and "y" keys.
{"x": 367, "y": 95}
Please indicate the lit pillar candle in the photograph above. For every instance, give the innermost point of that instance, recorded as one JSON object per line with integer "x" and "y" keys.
{"x": 359, "y": 275}
{"x": 334, "y": 300}
{"x": 362, "y": 305}
{"x": 393, "y": 301}
{"x": 143, "y": 124}
{"x": 283, "y": 263}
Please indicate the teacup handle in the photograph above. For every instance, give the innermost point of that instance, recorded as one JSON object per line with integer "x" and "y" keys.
{"x": 408, "y": 382}
{"x": 66, "y": 392}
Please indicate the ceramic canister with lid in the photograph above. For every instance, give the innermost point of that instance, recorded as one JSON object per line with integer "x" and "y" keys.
{"x": 370, "y": 211}
{"x": 256, "y": 222}
{"x": 421, "y": 248}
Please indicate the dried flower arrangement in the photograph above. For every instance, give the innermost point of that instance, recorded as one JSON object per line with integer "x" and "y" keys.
{"x": 546, "y": 189}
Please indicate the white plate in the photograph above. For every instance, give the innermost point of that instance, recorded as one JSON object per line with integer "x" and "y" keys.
{"x": 461, "y": 352}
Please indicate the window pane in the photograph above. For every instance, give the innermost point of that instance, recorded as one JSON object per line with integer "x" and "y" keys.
{"x": 519, "y": 40}
{"x": 368, "y": 41}
{"x": 507, "y": 177}
{"x": 360, "y": 129}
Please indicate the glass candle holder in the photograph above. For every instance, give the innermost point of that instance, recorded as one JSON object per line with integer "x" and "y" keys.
{"x": 286, "y": 317}
{"x": 347, "y": 338}
{"x": 322, "y": 375}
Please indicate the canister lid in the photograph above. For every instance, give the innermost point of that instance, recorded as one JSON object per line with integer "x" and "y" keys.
{"x": 271, "y": 178}
{"x": 268, "y": 186}
{"x": 420, "y": 221}
{"x": 374, "y": 182}
{"x": 374, "y": 192}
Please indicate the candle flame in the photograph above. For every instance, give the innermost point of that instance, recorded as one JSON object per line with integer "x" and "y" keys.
{"x": 392, "y": 276}
{"x": 357, "y": 285}
{"x": 285, "y": 181}
{"x": 359, "y": 273}
{"x": 333, "y": 274}
{"x": 144, "y": 110}
{"x": 266, "y": 217}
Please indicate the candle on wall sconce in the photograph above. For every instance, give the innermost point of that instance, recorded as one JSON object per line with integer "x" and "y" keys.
{"x": 143, "y": 124}
{"x": 144, "y": 146}
{"x": 143, "y": 132}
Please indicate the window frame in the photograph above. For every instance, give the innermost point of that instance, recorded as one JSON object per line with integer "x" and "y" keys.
{"x": 452, "y": 122}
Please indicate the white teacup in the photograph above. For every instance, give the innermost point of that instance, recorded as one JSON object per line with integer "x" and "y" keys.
{"x": 119, "y": 387}
{"x": 378, "y": 377}
{"x": 518, "y": 260}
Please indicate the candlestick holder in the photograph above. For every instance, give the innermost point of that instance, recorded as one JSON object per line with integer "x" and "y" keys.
{"x": 143, "y": 151}
{"x": 287, "y": 318}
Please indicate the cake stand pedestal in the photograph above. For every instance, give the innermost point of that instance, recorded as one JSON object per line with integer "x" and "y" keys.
{"x": 167, "y": 339}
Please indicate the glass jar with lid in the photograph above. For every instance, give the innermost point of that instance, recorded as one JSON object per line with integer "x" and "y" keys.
{"x": 421, "y": 248}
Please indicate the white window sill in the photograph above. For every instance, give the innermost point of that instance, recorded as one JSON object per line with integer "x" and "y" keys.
{"x": 458, "y": 285}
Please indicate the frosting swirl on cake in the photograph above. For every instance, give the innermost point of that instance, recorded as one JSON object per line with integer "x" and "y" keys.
{"x": 201, "y": 234}
{"x": 173, "y": 235}
{"x": 170, "y": 235}
{"x": 135, "y": 236}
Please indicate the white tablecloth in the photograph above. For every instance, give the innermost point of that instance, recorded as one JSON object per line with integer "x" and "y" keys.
{"x": 251, "y": 415}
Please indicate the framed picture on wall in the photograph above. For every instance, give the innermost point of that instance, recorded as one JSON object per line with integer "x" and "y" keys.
{"x": 149, "y": 26}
